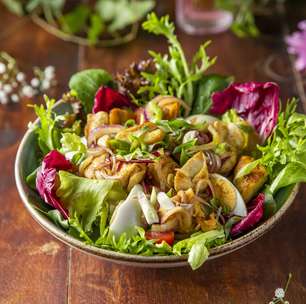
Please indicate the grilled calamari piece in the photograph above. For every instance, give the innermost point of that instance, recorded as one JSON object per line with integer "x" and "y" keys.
{"x": 120, "y": 116}
{"x": 178, "y": 219}
{"x": 162, "y": 172}
{"x": 131, "y": 174}
{"x": 94, "y": 121}
{"x": 169, "y": 105}
{"x": 148, "y": 132}
{"x": 194, "y": 174}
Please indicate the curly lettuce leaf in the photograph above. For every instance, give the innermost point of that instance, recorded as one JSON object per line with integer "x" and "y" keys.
{"x": 73, "y": 148}
{"x": 48, "y": 133}
{"x": 137, "y": 244}
{"x": 174, "y": 75}
{"x": 85, "y": 198}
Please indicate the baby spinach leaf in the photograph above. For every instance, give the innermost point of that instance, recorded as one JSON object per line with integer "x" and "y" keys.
{"x": 205, "y": 88}
{"x": 86, "y": 83}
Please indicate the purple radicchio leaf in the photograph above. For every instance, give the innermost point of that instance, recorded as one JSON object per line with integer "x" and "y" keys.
{"x": 252, "y": 219}
{"x": 46, "y": 179}
{"x": 256, "y": 102}
{"x": 107, "y": 98}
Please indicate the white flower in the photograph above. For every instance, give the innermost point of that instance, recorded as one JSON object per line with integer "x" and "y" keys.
{"x": 15, "y": 98}
{"x": 2, "y": 68}
{"x": 2, "y": 94}
{"x": 35, "y": 82}
{"x": 28, "y": 91}
{"x": 286, "y": 302}
{"x": 279, "y": 293}
{"x": 49, "y": 72}
{"x": 3, "y": 97}
{"x": 271, "y": 302}
{"x": 45, "y": 85}
{"x": 20, "y": 77}
{"x": 7, "y": 88}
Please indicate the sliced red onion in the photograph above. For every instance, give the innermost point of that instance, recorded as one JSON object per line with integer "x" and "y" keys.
{"x": 101, "y": 131}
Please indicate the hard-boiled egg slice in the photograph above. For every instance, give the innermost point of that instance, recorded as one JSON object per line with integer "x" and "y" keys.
{"x": 200, "y": 119}
{"x": 228, "y": 195}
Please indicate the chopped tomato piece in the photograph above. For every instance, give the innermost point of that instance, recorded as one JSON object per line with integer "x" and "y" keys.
{"x": 168, "y": 237}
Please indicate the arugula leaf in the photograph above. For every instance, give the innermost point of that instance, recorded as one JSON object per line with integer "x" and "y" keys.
{"x": 287, "y": 143}
{"x": 86, "y": 83}
{"x": 174, "y": 76}
{"x": 74, "y": 21}
{"x": 76, "y": 229}
{"x": 137, "y": 244}
{"x": 205, "y": 88}
{"x": 73, "y": 148}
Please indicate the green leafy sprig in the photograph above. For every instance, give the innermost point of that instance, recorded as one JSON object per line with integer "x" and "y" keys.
{"x": 174, "y": 76}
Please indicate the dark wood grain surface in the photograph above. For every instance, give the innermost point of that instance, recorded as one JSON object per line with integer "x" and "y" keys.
{"x": 37, "y": 269}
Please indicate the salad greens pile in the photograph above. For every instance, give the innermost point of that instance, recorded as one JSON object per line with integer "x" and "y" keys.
{"x": 81, "y": 158}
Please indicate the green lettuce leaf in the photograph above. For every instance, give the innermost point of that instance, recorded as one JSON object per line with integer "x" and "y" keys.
{"x": 85, "y": 198}
{"x": 86, "y": 83}
{"x": 197, "y": 255}
{"x": 293, "y": 173}
{"x": 137, "y": 244}
{"x": 73, "y": 148}
{"x": 48, "y": 133}
{"x": 197, "y": 246}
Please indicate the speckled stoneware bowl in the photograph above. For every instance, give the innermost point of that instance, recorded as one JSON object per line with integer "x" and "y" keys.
{"x": 26, "y": 162}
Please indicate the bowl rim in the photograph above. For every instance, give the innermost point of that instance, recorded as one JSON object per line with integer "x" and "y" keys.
{"x": 137, "y": 260}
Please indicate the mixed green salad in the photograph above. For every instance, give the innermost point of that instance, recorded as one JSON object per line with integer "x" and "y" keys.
{"x": 164, "y": 158}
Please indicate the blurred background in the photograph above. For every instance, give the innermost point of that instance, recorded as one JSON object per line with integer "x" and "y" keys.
{"x": 42, "y": 43}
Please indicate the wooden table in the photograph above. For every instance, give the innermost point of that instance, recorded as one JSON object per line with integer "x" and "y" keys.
{"x": 37, "y": 269}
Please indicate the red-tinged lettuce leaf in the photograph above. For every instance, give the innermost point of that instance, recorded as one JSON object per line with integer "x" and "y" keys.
{"x": 107, "y": 99}
{"x": 257, "y": 102}
{"x": 46, "y": 179}
{"x": 252, "y": 219}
